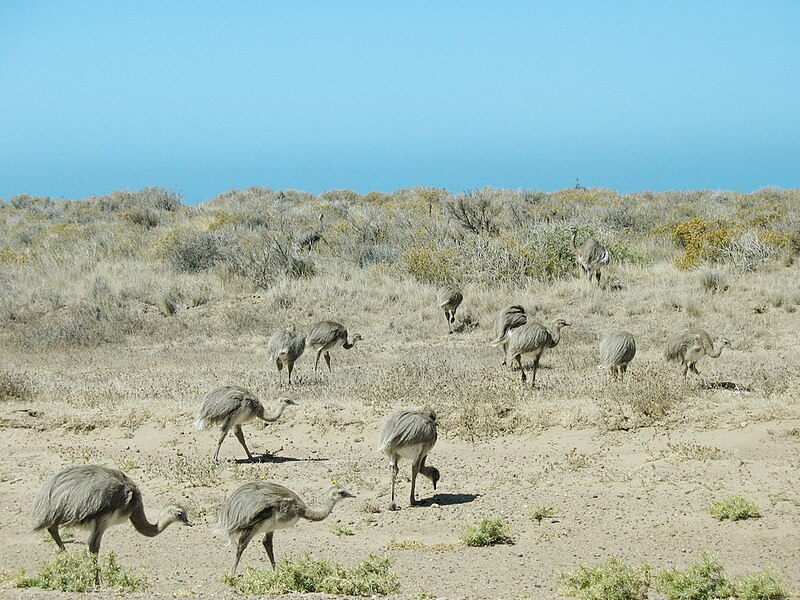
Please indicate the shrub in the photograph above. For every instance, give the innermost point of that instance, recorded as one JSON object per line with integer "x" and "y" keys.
{"x": 761, "y": 585}
{"x": 15, "y": 387}
{"x": 612, "y": 580}
{"x": 487, "y": 532}
{"x": 77, "y": 573}
{"x": 370, "y": 577}
{"x": 430, "y": 263}
{"x": 476, "y": 211}
{"x": 538, "y": 512}
{"x": 735, "y": 508}
{"x": 703, "y": 580}
{"x": 700, "y": 240}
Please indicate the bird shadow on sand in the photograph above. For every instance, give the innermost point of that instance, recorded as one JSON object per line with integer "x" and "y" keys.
{"x": 273, "y": 459}
{"x": 727, "y": 385}
{"x": 447, "y": 499}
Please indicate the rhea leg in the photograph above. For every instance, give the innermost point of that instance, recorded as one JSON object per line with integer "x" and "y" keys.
{"x": 414, "y": 472}
{"x": 223, "y": 434}
{"x": 240, "y": 436}
{"x": 94, "y": 547}
{"x": 244, "y": 539}
{"x": 393, "y": 471}
{"x": 279, "y": 364}
{"x": 535, "y": 366}
{"x": 290, "y": 369}
{"x": 447, "y": 318}
{"x": 328, "y": 361}
{"x": 268, "y": 547}
{"x": 56, "y": 537}
{"x": 316, "y": 362}
{"x": 518, "y": 358}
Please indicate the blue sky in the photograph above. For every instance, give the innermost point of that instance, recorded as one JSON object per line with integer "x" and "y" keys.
{"x": 203, "y": 97}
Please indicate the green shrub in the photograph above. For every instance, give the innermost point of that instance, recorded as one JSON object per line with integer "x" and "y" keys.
{"x": 77, "y": 573}
{"x": 538, "y": 512}
{"x": 703, "y": 580}
{"x": 370, "y": 577}
{"x": 761, "y": 585}
{"x": 612, "y": 580}
{"x": 15, "y": 387}
{"x": 487, "y": 532}
{"x": 735, "y": 508}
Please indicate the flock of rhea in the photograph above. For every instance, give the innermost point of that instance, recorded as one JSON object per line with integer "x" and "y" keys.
{"x": 94, "y": 497}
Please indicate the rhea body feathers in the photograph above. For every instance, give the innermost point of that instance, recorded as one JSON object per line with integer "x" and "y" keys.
{"x": 449, "y": 298}
{"x": 328, "y": 335}
{"x": 285, "y": 347}
{"x": 94, "y": 497}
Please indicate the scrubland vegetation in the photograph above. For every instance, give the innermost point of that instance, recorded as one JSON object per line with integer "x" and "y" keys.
{"x": 117, "y": 314}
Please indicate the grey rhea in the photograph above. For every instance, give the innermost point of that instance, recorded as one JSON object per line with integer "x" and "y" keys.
{"x": 231, "y": 406}
{"x": 508, "y": 319}
{"x": 592, "y": 256}
{"x": 410, "y": 434}
{"x": 690, "y": 346}
{"x": 532, "y": 338}
{"x": 94, "y": 498}
{"x": 285, "y": 347}
{"x": 264, "y": 507}
{"x": 327, "y": 335}
{"x": 616, "y": 352}
{"x": 449, "y": 298}
{"x": 308, "y": 236}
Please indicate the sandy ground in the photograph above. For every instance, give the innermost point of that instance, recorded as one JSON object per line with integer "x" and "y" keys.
{"x": 640, "y": 495}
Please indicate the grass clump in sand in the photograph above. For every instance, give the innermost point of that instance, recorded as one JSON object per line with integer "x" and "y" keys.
{"x": 538, "y": 512}
{"x": 370, "y": 577}
{"x": 611, "y": 580}
{"x": 487, "y": 532}
{"x": 702, "y": 580}
{"x": 77, "y": 573}
{"x": 735, "y": 508}
{"x": 760, "y": 585}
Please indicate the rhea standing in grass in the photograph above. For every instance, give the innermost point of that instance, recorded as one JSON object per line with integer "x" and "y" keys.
{"x": 327, "y": 335}
{"x": 449, "y": 299}
{"x": 533, "y": 339}
{"x": 285, "y": 347}
{"x": 616, "y": 352}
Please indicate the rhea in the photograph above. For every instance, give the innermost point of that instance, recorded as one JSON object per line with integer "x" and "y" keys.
{"x": 533, "y": 339}
{"x": 592, "y": 256}
{"x": 263, "y": 507}
{"x": 307, "y": 237}
{"x": 616, "y": 352}
{"x": 285, "y": 347}
{"x": 231, "y": 406}
{"x": 327, "y": 335}
{"x": 508, "y": 319}
{"x": 410, "y": 434}
{"x": 690, "y": 346}
{"x": 449, "y": 299}
{"x": 94, "y": 498}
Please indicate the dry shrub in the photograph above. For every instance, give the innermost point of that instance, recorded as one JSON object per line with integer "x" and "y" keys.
{"x": 15, "y": 387}
{"x": 639, "y": 401}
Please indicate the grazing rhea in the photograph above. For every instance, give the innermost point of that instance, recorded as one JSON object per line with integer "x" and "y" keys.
{"x": 285, "y": 347}
{"x": 263, "y": 507}
{"x": 449, "y": 298}
{"x": 592, "y": 256}
{"x": 533, "y": 338}
{"x": 508, "y": 319}
{"x": 231, "y": 406}
{"x": 616, "y": 351}
{"x": 690, "y": 346}
{"x": 94, "y": 498}
{"x": 327, "y": 335}
{"x": 308, "y": 236}
{"x": 410, "y": 434}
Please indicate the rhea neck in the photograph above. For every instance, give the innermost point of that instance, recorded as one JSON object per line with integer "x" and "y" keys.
{"x": 275, "y": 415}
{"x": 556, "y": 335}
{"x": 318, "y": 515}
{"x": 145, "y": 527}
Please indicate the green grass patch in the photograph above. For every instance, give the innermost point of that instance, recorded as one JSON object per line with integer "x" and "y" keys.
{"x": 703, "y": 580}
{"x": 760, "y": 585}
{"x": 735, "y": 508}
{"x": 77, "y": 573}
{"x": 538, "y": 512}
{"x": 611, "y": 580}
{"x": 371, "y": 576}
{"x": 487, "y": 532}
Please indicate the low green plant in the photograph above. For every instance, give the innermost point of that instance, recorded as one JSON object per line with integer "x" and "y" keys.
{"x": 78, "y": 573}
{"x": 760, "y": 585}
{"x": 487, "y": 532}
{"x": 611, "y": 580}
{"x": 340, "y": 530}
{"x": 703, "y": 580}
{"x": 538, "y": 512}
{"x": 370, "y": 577}
{"x": 735, "y": 508}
